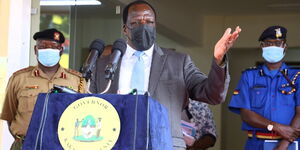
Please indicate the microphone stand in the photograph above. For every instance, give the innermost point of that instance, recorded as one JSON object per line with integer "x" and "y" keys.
{"x": 118, "y": 47}
{"x": 87, "y": 76}
{"x": 88, "y": 82}
{"x": 109, "y": 75}
{"x": 107, "y": 87}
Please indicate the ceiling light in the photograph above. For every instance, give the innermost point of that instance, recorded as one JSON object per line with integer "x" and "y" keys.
{"x": 68, "y": 2}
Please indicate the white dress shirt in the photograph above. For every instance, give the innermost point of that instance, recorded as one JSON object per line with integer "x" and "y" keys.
{"x": 127, "y": 63}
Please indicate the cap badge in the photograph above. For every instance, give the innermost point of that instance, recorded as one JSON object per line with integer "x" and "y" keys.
{"x": 56, "y": 36}
{"x": 278, "y": 33}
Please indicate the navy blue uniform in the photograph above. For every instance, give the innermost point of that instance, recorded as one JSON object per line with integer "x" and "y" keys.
{"x": 269, "y": 94}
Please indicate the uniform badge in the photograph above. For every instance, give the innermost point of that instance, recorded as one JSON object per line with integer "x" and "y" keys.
{"x": 63, "y": 75}
{"x": 56, "y": 36}
{"x": 278, "y": 33}
{"x": 236, "y": 92}
{"x": 36, "y": 73}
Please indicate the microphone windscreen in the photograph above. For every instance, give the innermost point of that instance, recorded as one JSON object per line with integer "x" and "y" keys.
{"x": 97, "y": 45}
{"x": 119, "y": 44}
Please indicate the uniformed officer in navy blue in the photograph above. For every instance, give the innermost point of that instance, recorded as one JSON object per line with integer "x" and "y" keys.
{"x": 267, "y": 97}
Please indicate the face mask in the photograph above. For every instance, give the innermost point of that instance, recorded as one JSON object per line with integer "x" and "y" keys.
{"x": 273, "y": 54}
{"x": 143, "y": 37}
{"x": 48, "y": 57}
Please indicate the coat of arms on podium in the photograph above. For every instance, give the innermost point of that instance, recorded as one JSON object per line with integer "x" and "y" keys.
{"x": 89, "y": 122}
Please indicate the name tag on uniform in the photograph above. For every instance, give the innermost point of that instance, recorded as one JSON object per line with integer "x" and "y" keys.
{"x": 257, "y": 86}
{"x": 271, "y": 144}
{"x": 32, "y": 87}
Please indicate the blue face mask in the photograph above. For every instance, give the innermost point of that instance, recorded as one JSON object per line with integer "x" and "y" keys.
{"x": 273, "y": 54}
{"x": 48, "y": 57}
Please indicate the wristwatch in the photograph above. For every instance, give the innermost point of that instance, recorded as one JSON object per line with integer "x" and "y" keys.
{"x": 270, "y": 127}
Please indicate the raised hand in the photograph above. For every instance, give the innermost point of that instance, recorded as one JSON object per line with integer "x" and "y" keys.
{"x": 225, "y": 43}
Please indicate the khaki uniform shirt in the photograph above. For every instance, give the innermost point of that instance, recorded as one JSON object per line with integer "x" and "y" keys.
{"x": 22, "y": 91}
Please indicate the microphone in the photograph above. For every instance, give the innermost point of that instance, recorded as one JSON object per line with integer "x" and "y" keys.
{"x": 62, "y": 89}
{"x": 96, "y": 49}
{"x": 118, "y": 50}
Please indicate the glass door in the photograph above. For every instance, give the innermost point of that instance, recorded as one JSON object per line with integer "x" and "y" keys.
{"x": 81, "y": 21}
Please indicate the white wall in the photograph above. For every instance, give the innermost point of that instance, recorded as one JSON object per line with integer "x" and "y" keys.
{"x": 17, "y": 47}
{"x": 19, "y": 35}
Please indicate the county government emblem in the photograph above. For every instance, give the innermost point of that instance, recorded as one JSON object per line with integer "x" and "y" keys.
{"x": 89, "y": 122}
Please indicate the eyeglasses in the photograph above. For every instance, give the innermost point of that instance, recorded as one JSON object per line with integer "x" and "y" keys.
{"x": 272, "y": 43}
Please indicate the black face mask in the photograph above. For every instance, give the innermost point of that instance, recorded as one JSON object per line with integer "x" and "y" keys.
{"x": 143, "y": 37}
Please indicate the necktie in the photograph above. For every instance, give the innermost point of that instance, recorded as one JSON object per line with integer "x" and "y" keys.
{"x": 138, "y": 73}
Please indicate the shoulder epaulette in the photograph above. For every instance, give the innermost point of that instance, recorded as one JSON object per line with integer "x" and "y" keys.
{"x": 297, "y": 68}
{"x": 294, "y": 70}
{"x": 74, "y": 72}
{"x": 24, "y": 70}
{"x": 251, "y": 68}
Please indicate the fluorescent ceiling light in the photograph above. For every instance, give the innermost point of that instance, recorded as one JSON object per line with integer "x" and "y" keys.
{"x": 68, "y": 2}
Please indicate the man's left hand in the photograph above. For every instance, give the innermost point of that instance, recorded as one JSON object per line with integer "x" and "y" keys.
{"x": 225, "y": 43}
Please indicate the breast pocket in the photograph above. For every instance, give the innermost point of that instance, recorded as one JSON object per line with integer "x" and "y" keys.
{"x": 258, "y": 96}
{"x": 27, "y": 99}
{"x": 286, "y": 96}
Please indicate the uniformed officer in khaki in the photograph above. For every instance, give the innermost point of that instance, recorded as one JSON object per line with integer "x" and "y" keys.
{"x": 25, "y": 85}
